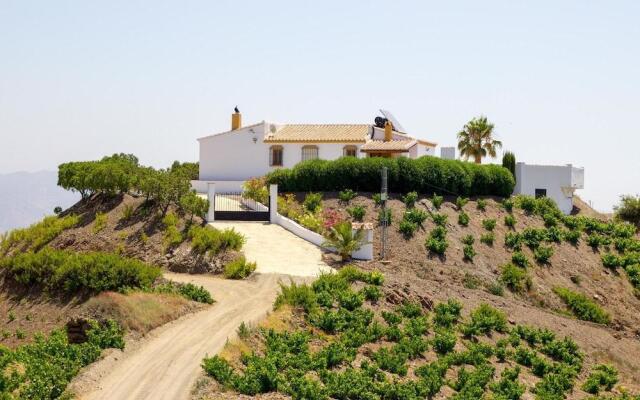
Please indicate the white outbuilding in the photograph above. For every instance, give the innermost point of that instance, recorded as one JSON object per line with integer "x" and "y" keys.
{"x": 557, "y": 182}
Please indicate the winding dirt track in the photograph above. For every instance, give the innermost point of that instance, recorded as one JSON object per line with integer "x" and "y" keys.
{"x": 166, "y": 364}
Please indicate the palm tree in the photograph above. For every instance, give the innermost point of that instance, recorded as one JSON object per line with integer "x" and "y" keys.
{"x": 476, "y": 140}
{"x": 343, "y": 238}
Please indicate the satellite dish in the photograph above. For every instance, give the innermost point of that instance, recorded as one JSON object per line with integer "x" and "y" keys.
{"x": 396, "y": 125}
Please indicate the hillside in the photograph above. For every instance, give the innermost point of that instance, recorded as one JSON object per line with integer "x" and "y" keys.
{"x": 529, "y": 297}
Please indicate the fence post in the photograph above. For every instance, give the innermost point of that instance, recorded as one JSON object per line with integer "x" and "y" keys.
{"x": 273, "y": 203}
{"x": 211, "y": 195}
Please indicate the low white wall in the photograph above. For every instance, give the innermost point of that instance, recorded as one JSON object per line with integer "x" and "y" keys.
{"x": 552, "y": 178}
{"x": 364, "y": 253}
{"x": 221, "y": 186}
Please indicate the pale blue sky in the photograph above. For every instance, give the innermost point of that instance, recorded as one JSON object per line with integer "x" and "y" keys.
{"x": 560, "y": 79}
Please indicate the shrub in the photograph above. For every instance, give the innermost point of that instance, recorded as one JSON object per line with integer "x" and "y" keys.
{"x": 628, "y": 209}
{"x": 377, "y": 199}
{"x": 510, "y": 221}
{"x": 461, "y": 202}
{"x": 572, "y": 236}
{"x": 357, "y": 213}
{"x": 532, "y": 237}
{"x": 444, "y": 341}
{"x": 437, "y": 201}
{"x": 611, "y": 260}
{"x": 468, "y": 252}
{"x": 509, "y": 162}
{"x": 481, "y": 204}
{"x": 256, "y": 189}
{"x": 404, "y": 175}
{"x": 447, "y": 314}
{"x": 392, "y": 361}
{"x": 508, "y": 387}
{"x": 416, "y": 216}
{"x": 311, "y": 221}
{"x": 344, "y": 239}
{"x": 513, "y": 240}
{"x": 507, "y": 204}
{"x": 542, "y": 254}
{"x": 372, "y": 293}
{"x": 463, "y": 219}
{"x": 239, "y": 268}
{"x": 515, "y": 278}
{"x": 518, "y": 258}
{"x": 206, "y": 239}
{"x": 496, "y": 289}
{"x": 171, "y": 236}
{"x": 186, "y": 290}
{"x": 439, "y": 219}
{"x": 550, "y": 220}
{"x": 407, "y": 228}
{"x": 296, "y": 295}
{"x": 347, "y": 195}
{"x": 37, "y": 235}
{"x": 312, "y": 202}
{"x": 385, "y": 217}
{"x": 484, "y": 320}
{"x": 527, "y": 203}
{"x": 582, "y": 307}
{"x": 437, "y": 245}
{"x": 554, "y": 234}
{"x": 470, "y": 281}
{"x": 468, "y": 239}
{"x": 127, "y": 212}
{"x": 410, "y": 199}
{"x": 603, "y": 376}
{"x": 70, "y": 273}
{"x": 595, "y": 240}
{"x": 194, "y": 205}
{"x": 487, "y": 238}
{"x": 489, "y": 224}
{"x": 49, "y": 363}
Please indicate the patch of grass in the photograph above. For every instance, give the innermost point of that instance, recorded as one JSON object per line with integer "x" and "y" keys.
{"x": 583, "y": 307}
{"x": 496, "y": 289}
{"x": 239, "y": 268}
{"x": 470, "y": 281}
{"x": 100, "y": 222}
{"x": 127, "y": 212}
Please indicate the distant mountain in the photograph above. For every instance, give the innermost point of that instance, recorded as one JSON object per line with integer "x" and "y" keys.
{"x": 26, "y": 197}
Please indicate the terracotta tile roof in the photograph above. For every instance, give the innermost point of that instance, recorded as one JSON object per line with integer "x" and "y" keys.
{"x": 393, "y": 145}
{"x": 320, "y": 133}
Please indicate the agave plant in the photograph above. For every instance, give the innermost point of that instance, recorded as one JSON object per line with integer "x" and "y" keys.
{"x": 344, "y": 239}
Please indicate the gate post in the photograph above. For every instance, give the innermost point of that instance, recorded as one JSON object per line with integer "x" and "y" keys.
{"x": 273, "y": 203}
{"x": 211, "y": 195}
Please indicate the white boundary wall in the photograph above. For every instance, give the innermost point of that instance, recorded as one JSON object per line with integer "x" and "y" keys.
{"x": 365, "y": 252}
{"x": 221, "y": 186}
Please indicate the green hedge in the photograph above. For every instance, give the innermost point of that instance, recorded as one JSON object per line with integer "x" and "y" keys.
{"x": 69, "y": 272}
{"x": 423, "y": 175}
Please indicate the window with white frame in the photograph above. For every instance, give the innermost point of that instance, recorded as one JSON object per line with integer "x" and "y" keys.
{"x": 275, "y": 156}
{"x": 309, "y": 153}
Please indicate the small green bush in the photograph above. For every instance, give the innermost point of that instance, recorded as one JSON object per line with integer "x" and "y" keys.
{"x": 543, "y": 254}
{"x": 572, "y": 236}
{"x": 372, "y": 293}
{"x": 481, "y": 204}
{"x": 515, "y": 278}
{"x": 483, "y": 320}
{"x": 410, "y": 199}
{"x": 127, "y": 212}
{"x": 347, "y": 195}
{"x": 583, "y": 307}
{"x": 444, "y": 341}
{"x": 513, "y": 240}
{"x": 385, "y": 217}
{"x": 416, "y": 216}
{"x": 628, "y": 209}
{"x": 439, "y": 219}
{"x": 357, "y": 213}
{"x": 487, "y": 238}
{"x": 520, "y": 259}
{"x": 611, "y": 260}
{"x": 554, "y": 234}
{"x": 527, "y": 203}
{"x": 447, "y": 314}
{"x": 496, "y": 289}
{"x": 312, "y": 202}
{"x": 461, "y": 202}
{"x": 468, "y": 239}
{"x": 239, "y": 268}
{"x": 463, "y": 219}
{"x": 407, "y": 228}
{"x": 296, "y": 295}
{"x": 187, "y": 290}
{"x": 550, "y": 220}
{"x": 507, "y": 204}
{"x": 510, "y": 221}
{"x": 437, "y": 201}
{"x": 206, "y": 239}
{"x": 37, "y": 235}
{"x": 595, "y": 240}
{"x": 603, "y": 376}
{"x": 532, "y": 237}
{"x": 437, "y": 245}
{"x": 377, "y": 199}
{"x": 468, "y": 252}
{"x": 489, "y": 224}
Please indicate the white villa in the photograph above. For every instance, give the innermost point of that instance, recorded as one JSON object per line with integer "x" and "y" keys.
{"x": 558, "y": 182}
{"x": 254, "y": 150}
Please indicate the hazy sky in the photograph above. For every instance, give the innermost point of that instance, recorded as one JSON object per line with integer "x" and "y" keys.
{"x": 560, "y": 79}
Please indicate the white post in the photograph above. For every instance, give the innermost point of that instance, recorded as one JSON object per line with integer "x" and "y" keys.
{"x": 211, "y": 195}
{"x": 273, "y": 203}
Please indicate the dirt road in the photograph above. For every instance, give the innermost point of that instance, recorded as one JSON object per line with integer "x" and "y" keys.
{"x": 166, "y": 364}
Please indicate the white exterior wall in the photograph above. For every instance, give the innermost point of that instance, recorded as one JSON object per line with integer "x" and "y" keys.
{"x": 553, "y": 178}
{"x": 448, "y": 153}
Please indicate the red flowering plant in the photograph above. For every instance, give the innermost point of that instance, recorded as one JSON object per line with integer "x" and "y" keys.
{"x": 331, "y": 218}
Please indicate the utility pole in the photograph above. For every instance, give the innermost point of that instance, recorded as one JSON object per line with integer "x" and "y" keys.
{"x": 385, "y": 220}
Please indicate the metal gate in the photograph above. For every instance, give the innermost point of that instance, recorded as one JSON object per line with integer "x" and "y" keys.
{"x": 234, "y": 206}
